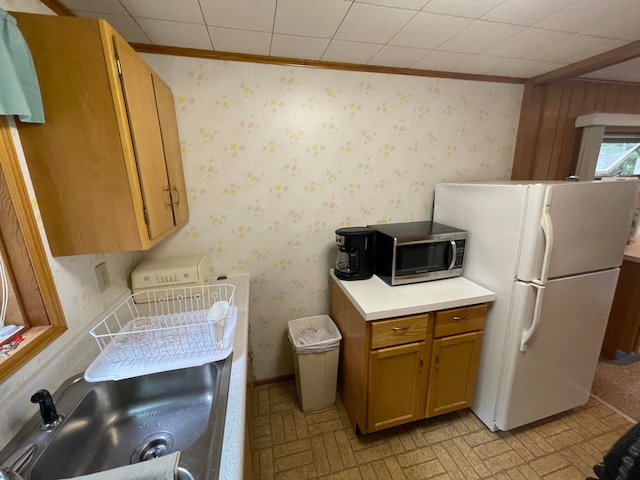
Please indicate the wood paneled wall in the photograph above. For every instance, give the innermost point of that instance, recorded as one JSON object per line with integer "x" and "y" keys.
{"x": 548, "y": 142}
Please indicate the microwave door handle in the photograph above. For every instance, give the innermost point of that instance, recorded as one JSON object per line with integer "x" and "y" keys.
{"x": 454, "y": 247}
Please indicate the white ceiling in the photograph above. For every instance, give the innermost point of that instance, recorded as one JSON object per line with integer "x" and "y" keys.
{"x": 513, "y": 38}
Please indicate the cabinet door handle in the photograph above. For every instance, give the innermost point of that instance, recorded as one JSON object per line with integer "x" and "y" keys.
{"x": 168, "y": 190}
{"x": 421, "y": 362}
{"x": 400, "y": 329}
{"x": 437, "y": 360}
{"x": 458, "y": 319}
{"x": 175, "y": 189}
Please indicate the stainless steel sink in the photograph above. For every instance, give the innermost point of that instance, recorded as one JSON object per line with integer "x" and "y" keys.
{"x": 112, "y": 424}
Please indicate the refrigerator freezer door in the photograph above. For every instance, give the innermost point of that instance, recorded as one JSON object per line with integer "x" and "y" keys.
{"x": 589, "y": 225}
{"x": 556, "y": 370}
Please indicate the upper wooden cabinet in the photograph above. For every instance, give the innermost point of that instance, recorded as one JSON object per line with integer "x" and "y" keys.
{"x": 106, "y": 166}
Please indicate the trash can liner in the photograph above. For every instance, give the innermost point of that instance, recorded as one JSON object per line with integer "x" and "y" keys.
{"x": 310, "y": 336}
{"x": 316, "y": 348}
{"x": 314, "y": 334}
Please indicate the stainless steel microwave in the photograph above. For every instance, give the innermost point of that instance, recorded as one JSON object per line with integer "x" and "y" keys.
{"x": 414, "y": 252}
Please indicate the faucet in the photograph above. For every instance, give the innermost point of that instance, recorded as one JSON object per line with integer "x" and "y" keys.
{"x": 11, "y": 473}
{"x": 50, "y": 418}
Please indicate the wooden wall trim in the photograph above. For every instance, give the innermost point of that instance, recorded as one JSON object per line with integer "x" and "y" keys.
{"x": 592, "y": 64}
{"x": 58, "y": 7}
{"x": 295, "y": 62}
{"x": 530, "y": 111}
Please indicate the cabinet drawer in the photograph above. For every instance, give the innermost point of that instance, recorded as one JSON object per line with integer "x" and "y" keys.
{"x": 460, "y": 320}
{"x": 386, "y": 333}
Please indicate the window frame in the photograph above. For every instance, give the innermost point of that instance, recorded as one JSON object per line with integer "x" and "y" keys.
{"x": 594, "y": 127}
{"x": 610, "y": 137}
{"x": 27, "y": 262}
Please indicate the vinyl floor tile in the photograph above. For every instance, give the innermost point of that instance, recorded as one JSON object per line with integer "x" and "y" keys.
{"x": 290, "y": 444}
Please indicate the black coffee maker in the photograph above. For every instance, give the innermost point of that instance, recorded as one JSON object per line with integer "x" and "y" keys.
{"x": 355, "y": 253}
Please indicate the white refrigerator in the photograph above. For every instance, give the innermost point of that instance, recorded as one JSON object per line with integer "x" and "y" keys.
{"x": 551, "y": 252}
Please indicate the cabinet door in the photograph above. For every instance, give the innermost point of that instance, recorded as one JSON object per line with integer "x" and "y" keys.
{"x": 171, "y": 143}
{"x": 623, "y": 328}
{"x": 397, "y": 385}
{"x": 137, "y": 85}
{"x": 454, "y": 367}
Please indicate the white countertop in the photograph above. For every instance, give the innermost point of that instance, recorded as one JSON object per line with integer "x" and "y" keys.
{"x": 376, "y": 299}
{"x": 632, "y": 250}
{"x": 232, "y": 461}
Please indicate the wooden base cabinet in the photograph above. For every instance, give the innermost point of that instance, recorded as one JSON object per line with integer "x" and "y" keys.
{"x": 623, "y": 328}
{"x": 402, "y": 369}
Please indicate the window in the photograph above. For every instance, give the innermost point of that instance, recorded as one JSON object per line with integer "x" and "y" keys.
{"x": 609, "y": 145}
{"x": 618, "y": 156}
{"x": 34, "y": 301}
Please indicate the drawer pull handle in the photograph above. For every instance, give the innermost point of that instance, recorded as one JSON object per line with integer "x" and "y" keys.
{"x": 457, "y": 319}
{"x": 400, "y": 329}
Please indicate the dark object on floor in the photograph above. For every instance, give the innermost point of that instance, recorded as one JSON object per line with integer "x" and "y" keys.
{"x": 622, "y": 462}
{"x": 624, "y": 358}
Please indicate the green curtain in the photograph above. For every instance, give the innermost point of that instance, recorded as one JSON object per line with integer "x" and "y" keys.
{"x": 19, "y": 89}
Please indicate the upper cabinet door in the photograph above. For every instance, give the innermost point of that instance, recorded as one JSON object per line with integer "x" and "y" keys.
{"x": 172, "y": 154}
{"x": 137, "y": 87}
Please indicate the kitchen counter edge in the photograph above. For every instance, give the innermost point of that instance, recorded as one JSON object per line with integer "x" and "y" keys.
{"x": 233, "y": 444}
{"x": 632, "y": 250}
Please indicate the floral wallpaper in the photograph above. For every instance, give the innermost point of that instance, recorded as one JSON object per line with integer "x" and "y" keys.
{"x": 277, "y": 158}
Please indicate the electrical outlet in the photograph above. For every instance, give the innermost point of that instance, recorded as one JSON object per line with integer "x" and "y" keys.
{"x": 102, "y": 275}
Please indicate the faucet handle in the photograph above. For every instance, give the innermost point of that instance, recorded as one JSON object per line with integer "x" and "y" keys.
{"x": 50, "y": 417}
{"x": 6, "y": 474}
{"x": 11, "y": 473}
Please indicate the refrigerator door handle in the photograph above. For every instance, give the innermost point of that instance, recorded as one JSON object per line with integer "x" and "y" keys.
{"x": 537, "y": 311}
{"x": 547, "y": 229}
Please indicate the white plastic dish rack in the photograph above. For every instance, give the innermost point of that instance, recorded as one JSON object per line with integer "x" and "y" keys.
{"x": 166, "y": 329}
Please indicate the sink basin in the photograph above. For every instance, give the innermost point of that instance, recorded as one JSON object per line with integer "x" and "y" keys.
{"x": 115, "y": 423}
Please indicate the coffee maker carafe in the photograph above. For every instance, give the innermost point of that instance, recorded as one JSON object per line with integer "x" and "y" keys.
{"x": 355, "y": 253}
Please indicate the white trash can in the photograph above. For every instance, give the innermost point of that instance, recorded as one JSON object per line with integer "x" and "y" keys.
{"x": 315, "y": 342}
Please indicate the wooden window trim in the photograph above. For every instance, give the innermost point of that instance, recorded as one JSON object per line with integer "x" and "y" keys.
{"x": 27, "y": 262}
